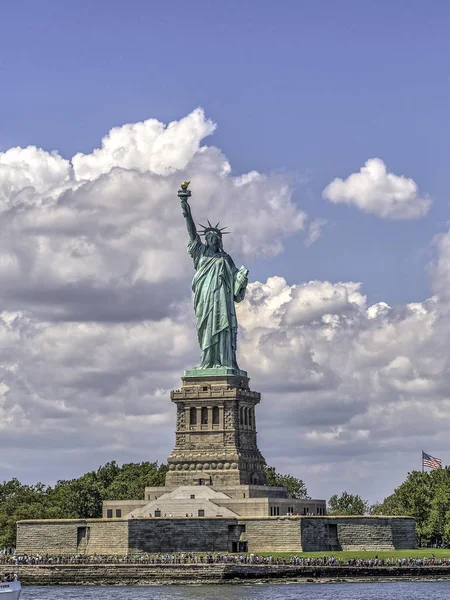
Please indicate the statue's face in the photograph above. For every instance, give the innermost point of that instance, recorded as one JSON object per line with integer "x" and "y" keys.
{"x": 213, "y": 242}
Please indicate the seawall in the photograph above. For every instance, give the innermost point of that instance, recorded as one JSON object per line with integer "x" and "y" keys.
{"x": 142, "y": 574}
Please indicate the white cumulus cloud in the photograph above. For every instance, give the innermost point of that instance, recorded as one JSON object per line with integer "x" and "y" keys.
{"x": 377, "y": 191}
{"x": 102, "y": 236}
{"x": 148, "y": 146}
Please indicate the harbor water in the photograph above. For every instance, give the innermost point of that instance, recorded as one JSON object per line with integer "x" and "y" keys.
{"x": 400, "y": 590}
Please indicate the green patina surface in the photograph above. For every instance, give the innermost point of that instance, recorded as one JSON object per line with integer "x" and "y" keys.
{"x": 217, "y": 285}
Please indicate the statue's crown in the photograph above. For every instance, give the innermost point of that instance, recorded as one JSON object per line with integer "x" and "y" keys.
{"x": 217, "y": 230}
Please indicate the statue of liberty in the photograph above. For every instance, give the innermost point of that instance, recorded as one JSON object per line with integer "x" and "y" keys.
{"x": 217, "y": 285}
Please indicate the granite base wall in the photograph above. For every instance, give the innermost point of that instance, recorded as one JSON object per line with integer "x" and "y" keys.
{"x": 90, "y": 536}
{"x": 259, "y": 534}
{"x": 49, "y": 537}
{"x": 272, "y": 534}
{"x": 358, "y": 533}
{"x": 182, "y": 535}
{"x": 104, "y": 537}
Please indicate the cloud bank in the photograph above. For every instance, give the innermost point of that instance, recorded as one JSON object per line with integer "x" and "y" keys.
{"x": 96, "y": 324}
{"x": 102, "y": 237}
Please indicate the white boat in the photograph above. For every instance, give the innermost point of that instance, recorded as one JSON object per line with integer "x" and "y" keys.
{"x": 10, "y": 590}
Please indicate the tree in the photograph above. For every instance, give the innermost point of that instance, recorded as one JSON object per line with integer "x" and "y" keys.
{"x": 107, "y": 474}
{"x": 132, "y": 479}
{"x": 347, "y": 504}
{"x": 413, "y": 499}
{"x": 426, "y": 497}
{"x": 295, "y": 488}
{"x": 18, "y": 502}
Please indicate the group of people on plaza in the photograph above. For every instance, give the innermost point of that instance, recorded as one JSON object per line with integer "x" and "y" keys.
{"x": 219, "y": 558}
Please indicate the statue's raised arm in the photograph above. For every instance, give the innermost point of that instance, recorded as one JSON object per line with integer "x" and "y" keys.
{"x": 183, "y": 195}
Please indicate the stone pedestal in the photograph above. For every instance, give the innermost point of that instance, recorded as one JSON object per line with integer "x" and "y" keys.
{"x": 215, "y": 439}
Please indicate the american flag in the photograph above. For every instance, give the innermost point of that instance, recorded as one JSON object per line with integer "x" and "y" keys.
{"x": 431, "y": 461}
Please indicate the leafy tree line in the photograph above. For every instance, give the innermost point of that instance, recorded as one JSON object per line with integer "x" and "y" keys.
{"x": 82, "y": 498}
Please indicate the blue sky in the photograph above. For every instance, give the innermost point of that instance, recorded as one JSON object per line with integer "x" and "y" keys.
{"x": 302, "y": 91}
{"x": 305, "y": 87}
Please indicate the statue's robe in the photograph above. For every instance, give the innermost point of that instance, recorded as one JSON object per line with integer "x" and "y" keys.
{"x": 215, "y": 292}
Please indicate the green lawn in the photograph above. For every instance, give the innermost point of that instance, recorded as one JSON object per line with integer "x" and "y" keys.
{"x": 418, "y": 552}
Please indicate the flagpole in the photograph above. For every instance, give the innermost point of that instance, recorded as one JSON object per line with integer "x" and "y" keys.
{"x": 422, "y": 461}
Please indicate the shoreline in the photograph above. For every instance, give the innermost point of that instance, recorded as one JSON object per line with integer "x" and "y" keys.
{"x": 195, "y": 574}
